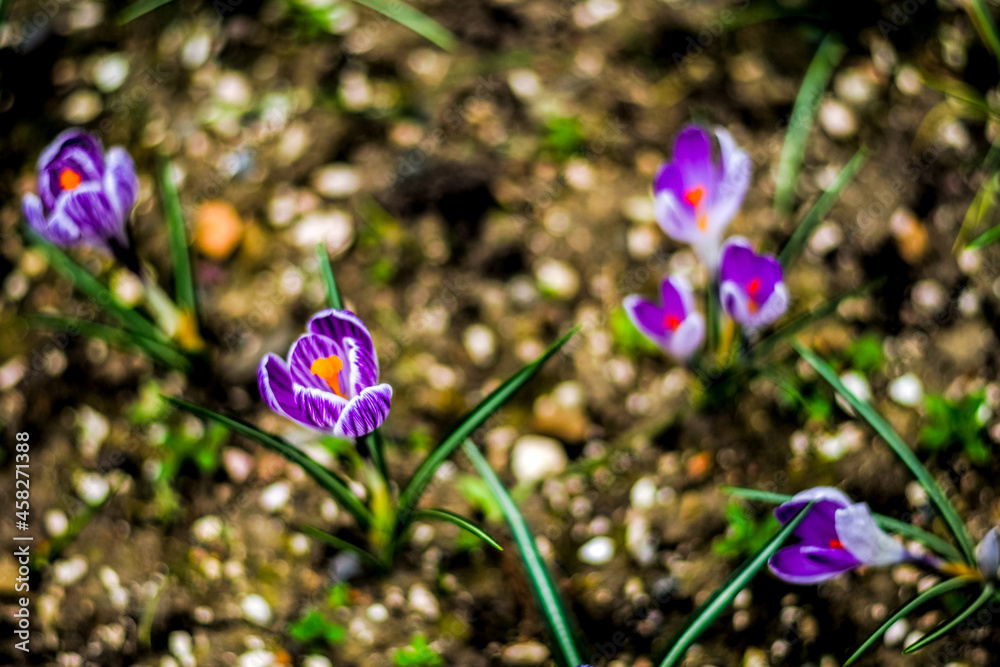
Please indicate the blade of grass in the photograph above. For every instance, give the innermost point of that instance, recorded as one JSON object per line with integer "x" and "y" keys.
{"x": 541, "y": 581}
{"x": 901, "y": 450}
{"x": 377, "y": 450}
{"x": 793, "y": 248}
{"x": 160, "y": 352}
{"x": 415, "y": 20}
{"x": 944, "y": 629}
{"x": 139, "y": 8}
{"x": 332, "y": 293}
{"x": 343, "y": 545}
{"x": 903, "y": 612}
{"x": 982, "y": 207}
{"x": 885, "y": 522}
{"x": 824, "y": 310}
{"x": 989, "y": 237}
{"x": 801, "y": 121}
{"x": 724, "y": 595}
{"x": 425, "y": 472}
{"x": 458, "y": 520}
{"x": 985, "y": 26}
{"x": 177, "y": 234}
{"x": 325, "y": 478}
{"x": 88, "y": 285}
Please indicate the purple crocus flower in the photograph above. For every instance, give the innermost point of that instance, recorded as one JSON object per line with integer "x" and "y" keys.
{"x": 836, "y": 536}
{"x": 751, "y": 286}
{"x": 673, "y": 324}
{"x": 330, "y": 382}
{"x": 988, "y": 556}
{"x": 696, "y": 196}
{"x": 84, "y": 194}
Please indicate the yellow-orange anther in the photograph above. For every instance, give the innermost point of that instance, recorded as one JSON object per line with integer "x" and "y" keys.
{"x": 328, "y": 368}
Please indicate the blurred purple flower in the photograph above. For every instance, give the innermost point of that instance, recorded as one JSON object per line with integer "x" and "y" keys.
{"x": 673, "y": 324}
{"x": 988, "y": 556}
{"x": 751, "y": 286}
{"x": 330, "y": 382}
{"x": 835, "y": 537}
{"x": 696, "y": 196}
{"x": 84, "y": 194}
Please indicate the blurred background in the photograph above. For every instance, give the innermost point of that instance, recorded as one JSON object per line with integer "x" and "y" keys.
{"x": 480, "y": 193}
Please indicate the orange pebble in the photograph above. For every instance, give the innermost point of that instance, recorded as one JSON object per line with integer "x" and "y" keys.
{"x": 217, "y": 229}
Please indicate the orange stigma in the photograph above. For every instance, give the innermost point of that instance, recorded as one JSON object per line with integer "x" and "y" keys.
{"x": 69, "y": 179}
{"x": 328, "y": 368}
{"x": 671, "y": 322}
{"x": 836, "y": 544}
{"x": 753, "y": 286}
{"x": 693, "y": 195}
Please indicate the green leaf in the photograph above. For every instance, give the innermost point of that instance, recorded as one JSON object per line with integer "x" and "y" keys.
{"x": 139, "y": 8}
{"x": 983, "y": 21}
{"x": 793, "y": 248}
{"x": 801, "y": 121}
{"x": 928, "y": 595}
{"x": 88, "y": 285}
{"x": 886, "y": 523}
{"x": 332, "y": 293}
{"x": 724, "y": 595}
{"x": 901, "y": 450}
{"x": 415, "y": 20}
{"x": 458, "y": 520}
{"x": 159, "y": 352}
{"x": 822, "y": 311}
{"x": 944, "y": 629}
{"x": 343, "y": 545}
{"x": 325, "y": 478}
{"x": 541, "y": 581}
{"x": 989, "y": 237}
{"x": 376, "y": 447}
{"x": 425, "y": 472}
{"x": 177, "y": 235}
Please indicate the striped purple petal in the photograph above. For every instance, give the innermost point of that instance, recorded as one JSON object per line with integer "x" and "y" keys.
{"x": 322, "y": 408}
{"x": 120, "y": 182}
{"x": 276, "y": 388}
{"x": 307, "y": 349}
{"x": 91, "y": 211}
{"x": 361, "y": 365}
{"x": 75, "y": 150}
{"x": 365, "y": 412}
{"x": 58, "y": 229}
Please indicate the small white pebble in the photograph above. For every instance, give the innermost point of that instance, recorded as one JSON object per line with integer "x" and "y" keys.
{"x": 377, "y": 613}
{"x": 907, "y": 390}
{"x": 68, "y": 572}
{"x": 256, "y": 609}
{"x": 276, "y": 496}
{"x": 207, "y": 528}
{"x": 598, "y": 551}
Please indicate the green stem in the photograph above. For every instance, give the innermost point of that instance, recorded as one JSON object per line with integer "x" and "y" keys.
{"x": 166, "y": 314}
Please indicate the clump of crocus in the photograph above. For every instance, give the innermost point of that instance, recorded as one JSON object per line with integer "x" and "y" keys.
{"x": 672, "y": 323}
{"x": 836, "y": 536}
{"x": 330, "y": 381}
{"x": 696, "y": 194}
{"x": 751, "y": 287}
{"x": 85, "y": 195}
